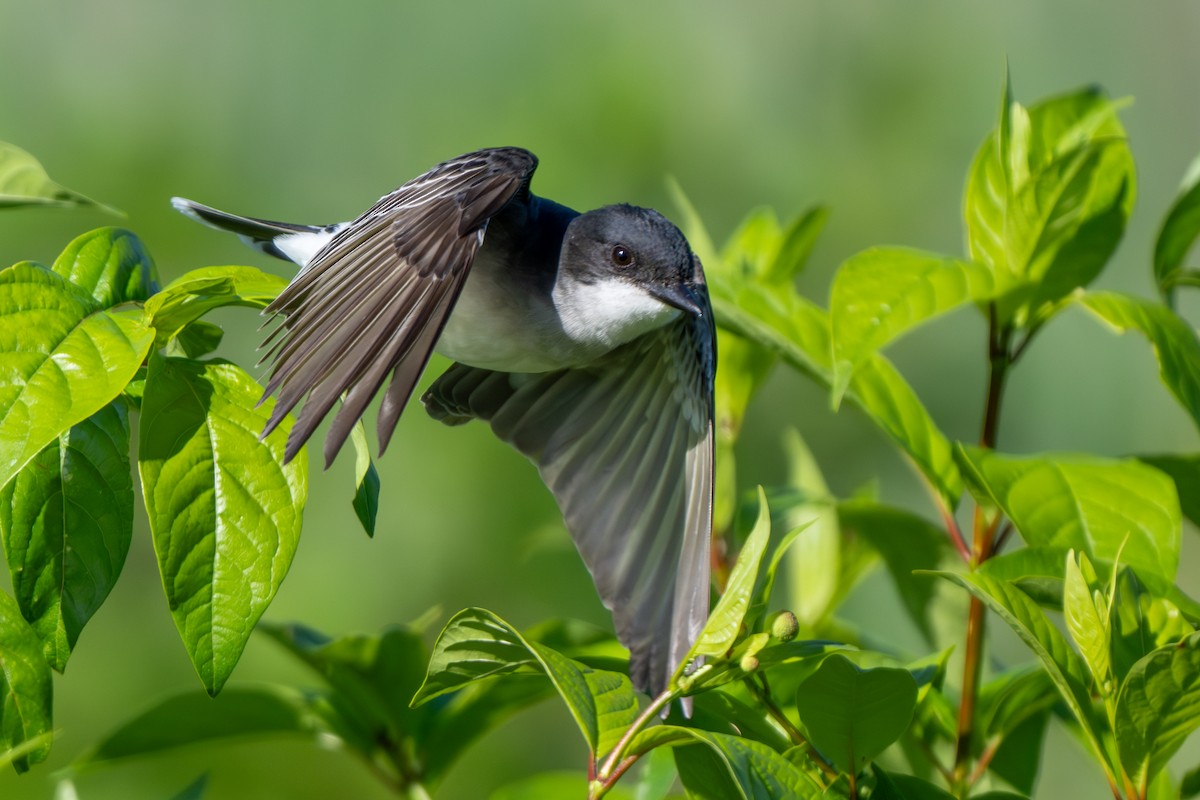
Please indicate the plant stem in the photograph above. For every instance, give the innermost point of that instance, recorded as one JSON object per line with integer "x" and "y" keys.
{"x": 999, "y": 360}
{"x": 762, "y": 692}
{"x": 614, "y": 758}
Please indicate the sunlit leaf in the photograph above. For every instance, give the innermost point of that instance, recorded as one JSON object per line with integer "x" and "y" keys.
{"x": 25, "y": 688}
{"x": 63, "y": 360}
{"x": 1085, "y": 609}
{"x": 366, "y": 481}
{"x": 796, "y": 246}
{"x": 66, "y": 521}
{"x": 725, "y": 621}
{"x": 1048, "y": 195}
{"x": 1096, "y": 505}
{"x": 24, "y": 182}
{"x": 852, "y": 714}
{"x": 881, "y": 293}
{"x": 1158, "y": 708}
{"x": 224, "y": 509}
{"x": 798, "y": 331}
{"x": 1062, "y": 664}
{"x": 110, "y": 264}
{"x": 1141, "y": 622}
{"x": 476, "y": 644}
{"x": 814, "y": 540}
{"x": 196, "y": 293}
{"x": 196, "y": 340}
{"x": 1175, "y": 342}
{"x": 194, "y": 718}
{"x": 1178, "y": 233}
{"x": 720, "y": 767}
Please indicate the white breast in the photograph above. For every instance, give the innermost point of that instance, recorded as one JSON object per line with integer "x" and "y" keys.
{"x": 608, "y": 313}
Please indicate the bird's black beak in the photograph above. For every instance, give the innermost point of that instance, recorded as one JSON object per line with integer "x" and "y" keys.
{"x": 681, "y": 296}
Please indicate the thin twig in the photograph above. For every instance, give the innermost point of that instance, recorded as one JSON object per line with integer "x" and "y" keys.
{"x": 762, "y": 692}
{"x": 656, "y": 705}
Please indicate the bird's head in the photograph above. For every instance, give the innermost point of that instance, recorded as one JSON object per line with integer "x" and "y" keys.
{"x": 635, "y": 257}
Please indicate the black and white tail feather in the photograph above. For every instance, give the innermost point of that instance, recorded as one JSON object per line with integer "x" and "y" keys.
{"x": 291, "y": 242}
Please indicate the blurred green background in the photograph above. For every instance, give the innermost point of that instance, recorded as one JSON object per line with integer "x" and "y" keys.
{"x": 308, "y": 111}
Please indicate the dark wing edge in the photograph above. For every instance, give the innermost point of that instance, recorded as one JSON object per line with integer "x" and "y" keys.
{"x": 376, "y": 298}
{"x": 626, "y": 447}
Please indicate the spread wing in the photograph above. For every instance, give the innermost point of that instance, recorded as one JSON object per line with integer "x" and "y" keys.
{"x": 375, "y": 299}
{"x": 626, "y": 446}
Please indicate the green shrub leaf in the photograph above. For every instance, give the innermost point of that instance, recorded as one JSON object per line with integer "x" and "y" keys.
{"x": 24, "y": 182}
{"x": 66, "y": 521}
{"x": 1185, "y": 471}
{"x": 366, "y": 481}
{"x": 196, "y": 293}
{"x": 725, "y": 622}
{"x": 224, "y": 509}
{"x": 194, "y": 718}
{"x": 196, "y": 340}
{"x": 1157, "y": 709}
{"x": 476, "y": 644}
{"x": 1048, "y": 196}
{"x": 63, "y": 359}
{"x": 720, "y": 767}
{"x": 111, "y": 264}
{"x": 1099, "y": 506}
{"x": 906, "y": 543}
{"x": 25, "y": 688}
{"x": 1085, "y": 608}
{"x": 1175, "y": 343}
{"x": 798, "y": 331}
{"x": 1140, "y": 622}
{"x": 1065, "y": 668}
{"x": 852, "y": 714}
{"x": 905, "y": 787}
{"x": 554, "y": 786}
{"x": 1178, "y": 233}
{"x": 881, "y": 293}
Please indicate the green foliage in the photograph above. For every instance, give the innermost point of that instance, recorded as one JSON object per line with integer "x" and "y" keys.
{"x": 224, "y": 509}
{"x": 24, "y": 182}
{"x": 771, "y": 701}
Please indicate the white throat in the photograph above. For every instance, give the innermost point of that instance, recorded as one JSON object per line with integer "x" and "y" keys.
{"x": 608, "y": 313}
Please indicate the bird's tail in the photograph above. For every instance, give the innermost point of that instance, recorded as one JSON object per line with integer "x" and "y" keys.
{"x": 296, "y": 243}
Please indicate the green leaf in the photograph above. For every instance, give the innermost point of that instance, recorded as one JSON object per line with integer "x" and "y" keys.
{"x": 196, "y": 293}
{"x": 798, "y": 331}
{"x": 1085, "y": 608}
{"x": 25, "y": 688}
{"x": 657, "y": 776}
{"x": 1178, "y": 233}
{"x": 62, "y": 357}
{"x": 1175, "y": 343}
{"x": 194, "y": 790}
{"x": 1018, "y": 756}
{"x": 1190, "y": 785}
{"x": 881, "y": 293}
{"x": 1048, "y": 196}
{"x": 10, "y": 756}
{"x": 224, "y": 509}
{"x": 1185, "y": 471}
{"x": 373, "y": 676}
{"x": 24, "y": 182}
{"x": 1157, "y": 709}
{"x": 1140, "y": 622}
{"x": 725, "y": 622}
{"x": 813, "y": 545}
{"x": 111, "y": 265}
{"x": 906, "y": 542}
{"x": 66, "y": 521}
{"x": 720, "y": 767}
{"x": 195, "y": 718}
{"x": 852, "y": 714}
{"x": 1012, "y": 697}
{"x": 196, "y": 340}
{"x": 1099, "y": 506}
{"x": 905, "y": 787}
{"x": 1061, "y": 663}
{"x": 796, "y": 246}
{"x": 553, "y": 786}
{"x": 476, "y": 644}
{"x": 366, "y": 481}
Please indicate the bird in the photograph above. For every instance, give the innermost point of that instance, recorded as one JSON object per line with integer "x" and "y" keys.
{"x": 586, "y": 341}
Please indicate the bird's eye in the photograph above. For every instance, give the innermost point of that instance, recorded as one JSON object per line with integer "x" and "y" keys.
{"x": 622, "y": 256}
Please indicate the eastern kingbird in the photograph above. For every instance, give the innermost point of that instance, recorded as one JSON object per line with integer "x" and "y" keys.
{"x": 586, "y": 340}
